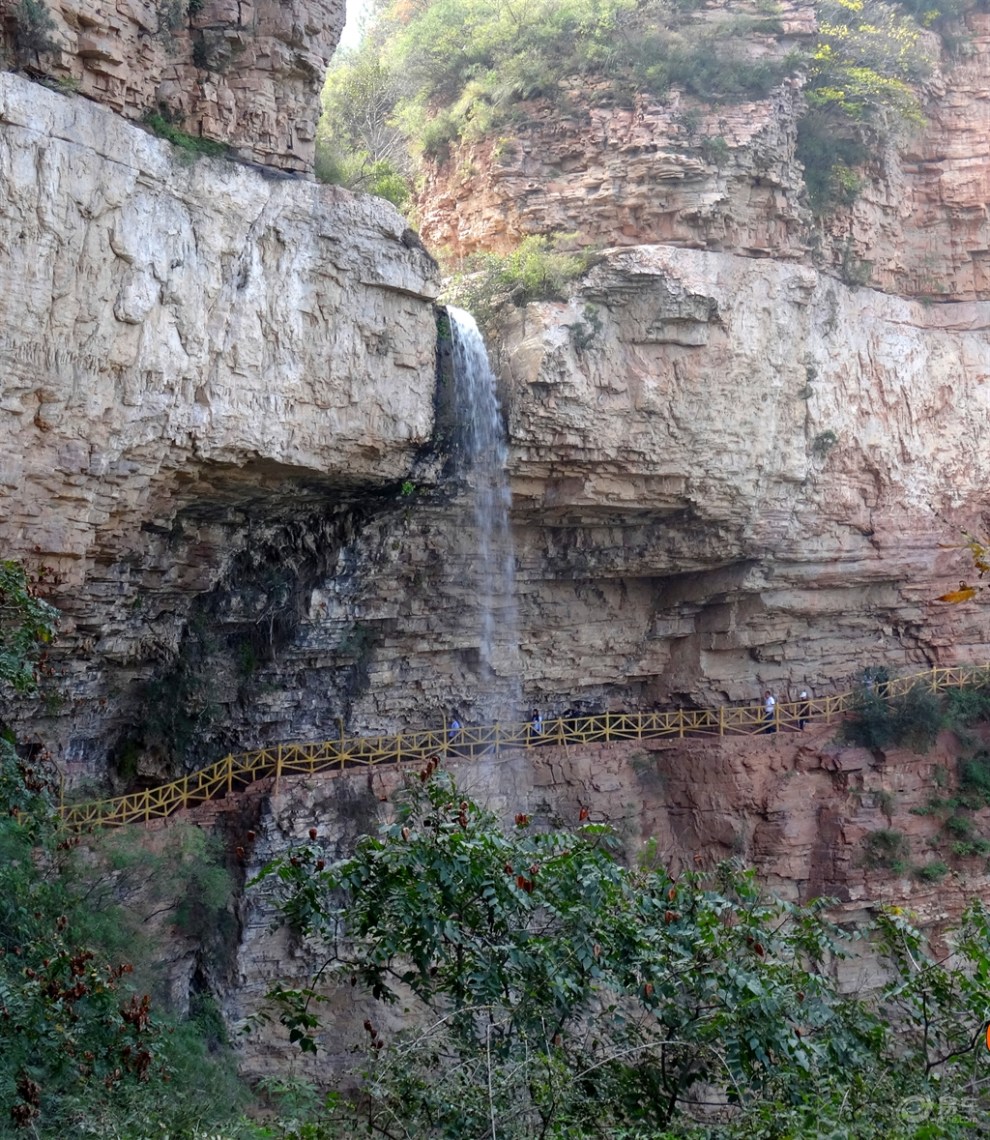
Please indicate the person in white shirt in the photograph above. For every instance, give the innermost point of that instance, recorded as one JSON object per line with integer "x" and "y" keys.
{"x": 536, "y": 723}
{"x": 769, "y": 707}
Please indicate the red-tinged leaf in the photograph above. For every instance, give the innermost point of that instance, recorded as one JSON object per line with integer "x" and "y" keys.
{"x": 963, "y": 594}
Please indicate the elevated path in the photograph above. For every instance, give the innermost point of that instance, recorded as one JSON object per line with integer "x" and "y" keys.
{"x": 234, "y": 773}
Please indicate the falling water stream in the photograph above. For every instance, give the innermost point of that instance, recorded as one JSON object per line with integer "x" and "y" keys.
{"x": 484, "y": 465}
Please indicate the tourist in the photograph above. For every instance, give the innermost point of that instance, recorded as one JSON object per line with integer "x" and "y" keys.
{"x": 769, "y": 708}
{"x": 536, "y": 723}
{"x": 804, "y": 709}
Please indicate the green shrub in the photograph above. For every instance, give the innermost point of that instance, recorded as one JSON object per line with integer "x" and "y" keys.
{"x": 32, "y": 31}
{"x": 885, "y": 801}
{"x": 861, "y": 79}
{"x": 830, "y": 152}
{"x": 357, "y": 172}
{"x": 888, "y": 849}
{"x": 912, "y": 720}
{"x": 918, "y": 719}
{"x": 715, "y": 150}
{"x": 933, "y": 13}
{"x": 537, "y": 270}
{"x": 967, "y": 705}
{"x": 163, "y": 124}
{"x": 865, "y": 61}
{"x": 27, "y": 626}
{"x": 932, "y": 872}
{"x": 959, "y": 826}
{"x": 974, "y": 779}
{"x": 968, "y": 848}
{"x": 823, "y": 443}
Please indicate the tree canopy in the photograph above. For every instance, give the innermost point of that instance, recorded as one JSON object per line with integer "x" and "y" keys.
{"x": 551, "y": 989}
{"x": 83, "y": 1049}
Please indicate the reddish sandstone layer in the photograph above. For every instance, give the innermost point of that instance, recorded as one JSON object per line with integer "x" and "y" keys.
{"x": 725, "y": 178}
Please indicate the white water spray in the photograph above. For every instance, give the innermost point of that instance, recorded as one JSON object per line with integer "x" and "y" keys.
{"x": 485, "y": 461}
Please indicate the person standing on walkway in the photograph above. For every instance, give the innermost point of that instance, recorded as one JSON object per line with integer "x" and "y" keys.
{"x": 769, "y": 708}
{"x": 453, "y": 732}
{"x": 804, "y": 709}
{"x": 535, "y": 724}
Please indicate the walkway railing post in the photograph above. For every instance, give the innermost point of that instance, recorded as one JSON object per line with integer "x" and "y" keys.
{"x": 721, "y": 720}
{"x": 278, "y": 767}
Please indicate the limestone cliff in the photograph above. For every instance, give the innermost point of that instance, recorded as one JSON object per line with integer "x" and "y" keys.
{"x": 734, "y": 465}
{"x": 242, "y": 72}
{"x": 728, "y": 472}
{"x": 194, "y": 357}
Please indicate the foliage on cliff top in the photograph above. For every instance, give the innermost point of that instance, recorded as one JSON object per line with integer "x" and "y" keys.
{"x": 453, "y": 69}
{"x": 867, "y": 63}
{"x": 431, "y": 73}
{"x": 538, "y": 269}
{"x": 358, "y": 143}
{"x": 562, "y": 994}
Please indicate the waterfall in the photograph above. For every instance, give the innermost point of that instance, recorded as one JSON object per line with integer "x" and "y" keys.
{"x": 484, "y": 460}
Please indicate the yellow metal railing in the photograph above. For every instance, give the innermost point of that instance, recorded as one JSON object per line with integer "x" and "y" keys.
{"x": 233, "y": 773}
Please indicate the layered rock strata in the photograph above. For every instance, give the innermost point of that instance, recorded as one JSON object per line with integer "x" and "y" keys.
{"x": 728, "y": 473}
{"x": 193, "y": 357}
{"x": 245, "y": 73}
{"x": 726, "y": 178}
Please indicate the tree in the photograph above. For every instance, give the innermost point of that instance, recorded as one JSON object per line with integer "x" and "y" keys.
{"x": 865, "y": 66}
{"x": 562, "y": 994}
{"x": 32, "y": 32}
{"x": 82, "y": 1052}
{"x": 27, "y": 626}
{"x": 358, "y": 143}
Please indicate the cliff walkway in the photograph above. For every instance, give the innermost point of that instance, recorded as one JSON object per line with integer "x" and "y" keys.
{"x": 234, "y": 773}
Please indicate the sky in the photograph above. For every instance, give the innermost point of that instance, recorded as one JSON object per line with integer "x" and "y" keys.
{"x": 352, "y": 28}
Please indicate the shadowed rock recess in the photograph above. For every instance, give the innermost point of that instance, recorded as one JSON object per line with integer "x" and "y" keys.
{"x": 225, "y": 424}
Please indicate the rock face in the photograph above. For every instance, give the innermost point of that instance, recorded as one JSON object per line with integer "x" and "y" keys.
{"x": 726, "y": 178}
{"x": 246, "y": 73}
{"x": 196, "y": 342}
{"x": 733, "y": 468}
{"x": 660, "y": 458}
{"x": 728, "y": 472}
